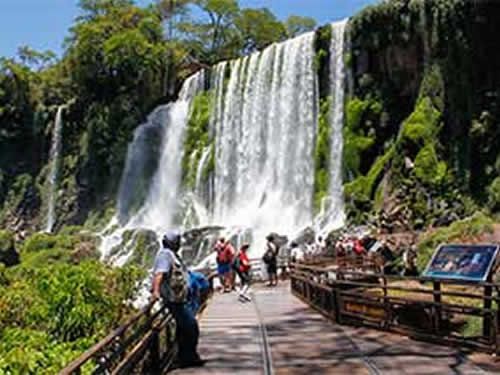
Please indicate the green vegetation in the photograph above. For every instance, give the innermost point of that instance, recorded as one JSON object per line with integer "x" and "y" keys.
{"x": 460, "y": 231}
{"x": 120, "y": 61}
{"x": 197, "y": 137}
{"x": 419, "y": 62}
{"x": 322, "y": 155}
{"x": 58, "y": 301}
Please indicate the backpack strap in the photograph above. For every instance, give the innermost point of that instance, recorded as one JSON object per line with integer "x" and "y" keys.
{"x": 181, "y": 262}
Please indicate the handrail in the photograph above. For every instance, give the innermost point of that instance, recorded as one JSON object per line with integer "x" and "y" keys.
{"x": 350, "y": 296}
{"x": 149, "y": 348}
{"x": 86, "y": 356}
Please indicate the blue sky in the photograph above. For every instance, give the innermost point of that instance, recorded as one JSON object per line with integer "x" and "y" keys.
{"x": 43, "y": 24}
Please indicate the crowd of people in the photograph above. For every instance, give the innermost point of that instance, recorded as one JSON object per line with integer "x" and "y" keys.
{"x": 180, "y": 289}
{"x": 232, "y": 263}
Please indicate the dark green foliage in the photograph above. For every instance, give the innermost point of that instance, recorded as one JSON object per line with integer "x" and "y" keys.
{"x": 494, "y": 195}
{"x": 321, "y": 61}
{"x": 8, "y": 253}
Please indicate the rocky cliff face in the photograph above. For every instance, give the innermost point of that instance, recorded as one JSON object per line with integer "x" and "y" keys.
{"x": 423, "y": 101}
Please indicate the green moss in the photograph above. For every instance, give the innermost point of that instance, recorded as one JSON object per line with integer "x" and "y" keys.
{"x": 197, "y": 137}
{"x": 422, "y": 126}
{"x": 457, "y": 232}
{"x": 426, "y": 164}
{"x": 433, "y": 87}
{"x": 358, "y": 133}
{"x": 322, "y": 154}
{"x": 363, "y": 187}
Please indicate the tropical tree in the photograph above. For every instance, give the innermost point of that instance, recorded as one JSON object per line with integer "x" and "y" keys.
{"x": 258, "y": 28}
{"x": 296, "y": 25}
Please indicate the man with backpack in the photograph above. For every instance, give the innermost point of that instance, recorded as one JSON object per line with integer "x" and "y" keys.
{"x": 170, "y": 283}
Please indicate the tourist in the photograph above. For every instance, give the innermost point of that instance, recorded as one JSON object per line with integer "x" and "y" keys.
{"x": 243, "y": 270}
{"x": 225, "y": 254}
{"x": 320, "y": 245}
{"x": 296, "y": 254}
{"x": 170, "y": 283}
{"x": 270, "y": 258}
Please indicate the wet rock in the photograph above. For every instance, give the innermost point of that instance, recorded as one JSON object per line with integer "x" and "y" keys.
{"x": 198, "y": 243}
{"x": 138, "y": 247}
{"x": 306, "y": 236}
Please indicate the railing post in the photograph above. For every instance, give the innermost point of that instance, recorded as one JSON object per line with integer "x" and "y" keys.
{"x": 154, "y": 352}
{"x": 487, "y": 316}
{"x": 436, "y": 315}
{"x": 338, "y": 298}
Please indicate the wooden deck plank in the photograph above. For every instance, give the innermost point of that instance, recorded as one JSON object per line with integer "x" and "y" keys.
{"x": 304, "y": 342}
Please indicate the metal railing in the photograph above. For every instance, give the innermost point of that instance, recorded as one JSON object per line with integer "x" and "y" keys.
{"x": 419, "y": 307}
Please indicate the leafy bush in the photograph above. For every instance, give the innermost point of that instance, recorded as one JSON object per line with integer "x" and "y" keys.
{"x": 54, "y": 305}
{"x": 459, "y": 231}
{"x": 494, "y": 195}
{"x": 8, "y": 253}
{"x": 35, "y": 352}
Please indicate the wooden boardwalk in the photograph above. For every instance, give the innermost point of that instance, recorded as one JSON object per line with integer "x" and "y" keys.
{"x": 277, "y": 334}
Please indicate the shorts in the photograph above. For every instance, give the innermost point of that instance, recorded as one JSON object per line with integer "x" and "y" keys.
{"x": 223, "y": 268}
{"x": 272, "y": 268}
{"x": 244, "y": 277}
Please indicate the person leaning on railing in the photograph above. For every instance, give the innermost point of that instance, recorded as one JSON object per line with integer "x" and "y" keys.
{"x": 170, "y": 283}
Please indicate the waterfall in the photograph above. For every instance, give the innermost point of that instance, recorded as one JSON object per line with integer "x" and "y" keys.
{"x": 55, "y": 151}
{"x": 263, "y": 129}
{"x": 161, "y": 202}
{"x": 265, "y": 139}
{"x": 141, "y": 163}
{"x": 199, "y": 172}
{"x": 337, "y": 78}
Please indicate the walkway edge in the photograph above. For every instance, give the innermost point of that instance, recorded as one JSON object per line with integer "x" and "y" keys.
{"x": 266, "y": 353}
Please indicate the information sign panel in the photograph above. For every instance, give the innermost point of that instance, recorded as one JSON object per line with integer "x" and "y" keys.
{"x": 462, "y": 262}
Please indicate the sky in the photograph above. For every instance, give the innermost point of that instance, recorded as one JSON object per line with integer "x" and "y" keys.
{"x": 43, "y": 24}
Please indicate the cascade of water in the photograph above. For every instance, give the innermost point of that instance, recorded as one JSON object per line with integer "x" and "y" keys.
{"x": 162, "y": 200}
{"x": 199, "y": 171}
{"x": 337, "y": 77}
{"x": 265, "y": 138}
{"x": 55, "y": 151}
{"x": 141, "y": 163}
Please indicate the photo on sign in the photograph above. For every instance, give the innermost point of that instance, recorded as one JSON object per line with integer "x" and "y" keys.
{"x": 463, "y": 262}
